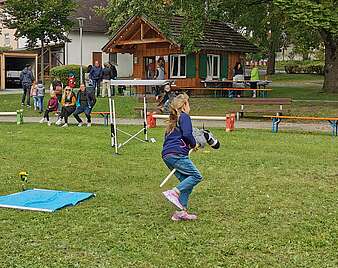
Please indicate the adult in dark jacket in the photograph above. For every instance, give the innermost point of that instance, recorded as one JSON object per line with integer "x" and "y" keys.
{"x": 85, "y": 102}
{"x": 107, "y": 75}
{"x": 238, "y": 69}
{"x": 113, "y": 70}
{"x": 96, "y": 76}
{"x": 114, "y": 75}
{"x": 238, "y": 76}
{"x": 26, "y": 78}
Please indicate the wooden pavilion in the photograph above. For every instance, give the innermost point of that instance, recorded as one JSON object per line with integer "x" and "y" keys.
{"x": 220, "y": 48}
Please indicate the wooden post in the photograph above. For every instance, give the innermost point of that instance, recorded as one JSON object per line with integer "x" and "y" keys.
{"x": 3, "y": 72}
{"x": 49, "y": 59}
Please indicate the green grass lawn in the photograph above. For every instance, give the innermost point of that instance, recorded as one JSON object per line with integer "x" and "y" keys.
{"x": 297, "y": 87}
{"x": 266, "y": 200}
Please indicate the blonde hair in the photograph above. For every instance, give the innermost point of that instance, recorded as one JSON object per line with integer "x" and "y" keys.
{"x": 175, "y": 110}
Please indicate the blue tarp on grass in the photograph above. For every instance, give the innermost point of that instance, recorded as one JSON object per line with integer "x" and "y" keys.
{"x": 43, "y": 200}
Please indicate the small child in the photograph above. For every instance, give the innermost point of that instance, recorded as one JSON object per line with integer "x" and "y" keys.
{"x": 35, "y": 96}
{"x": 51, "y": 107}
{"x": 40, "y": 88}
{"x": 178, "y": 142}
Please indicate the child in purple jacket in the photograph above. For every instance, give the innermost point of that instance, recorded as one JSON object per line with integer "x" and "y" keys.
{"x": 179, "y": 140}
{"x": 51, "y": 107}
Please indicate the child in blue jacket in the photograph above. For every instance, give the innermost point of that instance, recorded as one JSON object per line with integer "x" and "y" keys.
{"x": 179, "y": 140}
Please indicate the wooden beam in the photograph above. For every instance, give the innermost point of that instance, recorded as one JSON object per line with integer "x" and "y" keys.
{"x": 144, "y": 41}
{"x": 142, "y": 31}
{"x": 20, "y": 55}
{"x": 121, "y": 50}
{"x": 3, "y": 72}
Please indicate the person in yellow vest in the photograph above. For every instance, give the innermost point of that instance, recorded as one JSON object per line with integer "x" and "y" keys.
{"x": 254, "y": 77}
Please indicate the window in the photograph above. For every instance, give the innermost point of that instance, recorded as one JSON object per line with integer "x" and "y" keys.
{"x": 178, "y": 66}
{"x": 113, "y": 58}
{"x": 213, "y": 66}
{"x": 7, "y": 40}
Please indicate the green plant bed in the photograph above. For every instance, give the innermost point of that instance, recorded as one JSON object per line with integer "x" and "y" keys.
{"x": 266, "y": 200}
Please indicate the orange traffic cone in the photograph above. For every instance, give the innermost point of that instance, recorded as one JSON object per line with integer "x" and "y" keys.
{"x": 151, "y": 120}
{"x": 230, "y": 122}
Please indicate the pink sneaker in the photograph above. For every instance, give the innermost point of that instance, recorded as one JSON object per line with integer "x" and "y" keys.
{"x": 183, "y": 216}
{"x": 172, "y": 197}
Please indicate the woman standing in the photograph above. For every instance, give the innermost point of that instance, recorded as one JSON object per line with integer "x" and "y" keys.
{"x": 238, "y": 78}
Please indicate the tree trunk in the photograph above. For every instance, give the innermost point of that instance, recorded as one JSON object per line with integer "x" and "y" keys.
{"x": 271, "y": 62}
{"x": 305, "y": 56}
{"x": 42, "y": 61}
{"x": 331, "y": 66}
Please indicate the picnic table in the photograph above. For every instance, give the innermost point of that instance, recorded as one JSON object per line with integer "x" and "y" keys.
{"x": 261, "y": 92}
{"x": 276, "y": 119}
{"x": 236, "y": 85}
{"x": 228, "y": 83}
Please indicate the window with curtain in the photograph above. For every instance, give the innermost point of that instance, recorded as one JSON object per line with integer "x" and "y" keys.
{"x": 178, "y": 66}
{"x": 213, "y": 66}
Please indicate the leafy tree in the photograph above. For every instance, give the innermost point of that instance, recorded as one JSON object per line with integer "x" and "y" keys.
{"x": 262, "y": 23}
{"x": 40, "y": 21}
{"x": 321, "y": 16}
{"x": 259, "y": 19}
{"x": 118, "y": 12}
{"x": 304, "y": 41}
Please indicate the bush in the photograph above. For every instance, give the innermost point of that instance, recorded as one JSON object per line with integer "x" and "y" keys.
{"x": 314, "y": 67}
{"x": 62, "y": 72}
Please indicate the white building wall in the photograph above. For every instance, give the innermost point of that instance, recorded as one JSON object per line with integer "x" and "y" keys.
{"x": 91, "y": 42}
{"x": 124, "y": 65}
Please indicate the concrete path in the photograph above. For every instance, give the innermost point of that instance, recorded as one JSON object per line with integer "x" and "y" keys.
{"x": 10, "y": 91}
{"x": 286, "y": 125}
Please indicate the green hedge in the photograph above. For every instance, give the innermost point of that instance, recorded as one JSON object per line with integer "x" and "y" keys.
{"x": 62, "y": 72}
{"x": 304, "y": 68}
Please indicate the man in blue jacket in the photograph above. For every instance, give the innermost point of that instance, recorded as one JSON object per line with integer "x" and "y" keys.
{"x": 96, "y": 76}
{"x": 26, "y": 78}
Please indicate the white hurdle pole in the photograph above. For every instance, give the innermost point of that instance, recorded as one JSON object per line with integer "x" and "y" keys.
{"x": 111, "y": 119}
{"x": 197, "y": 117}
{"x": 115, "y": 128}
{"x": 145, "y": 125}
{"x": 171, "y": 173}
{"x": 168, "y": 177}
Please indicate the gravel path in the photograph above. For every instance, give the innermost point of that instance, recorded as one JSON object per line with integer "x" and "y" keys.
{"x": 315, "y": 126}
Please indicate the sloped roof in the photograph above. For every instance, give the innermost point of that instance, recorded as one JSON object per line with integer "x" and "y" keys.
{"x": 93, "y": 22}
{"x": 217, "y": 35}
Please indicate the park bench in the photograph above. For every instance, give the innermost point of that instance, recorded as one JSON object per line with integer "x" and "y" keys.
{"x": 150, "y": 99}
{"x": 18, "y": 114}
{"x": 276, "y": 119}
{"x": 105, "y": 116}
{"x": 140, "y": 109}
{"x": 151, "y": 110}
{"x": 278, "y": 104}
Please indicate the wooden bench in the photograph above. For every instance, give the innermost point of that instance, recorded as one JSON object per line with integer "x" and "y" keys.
{"x": 141, "y": 110}
{"x": 279, "y": 102}
{"x": 149, "y": 99}
{"x": 276, "y": 119}
{"x": 18, "y": 114}
{"x": 105, "y": 116}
